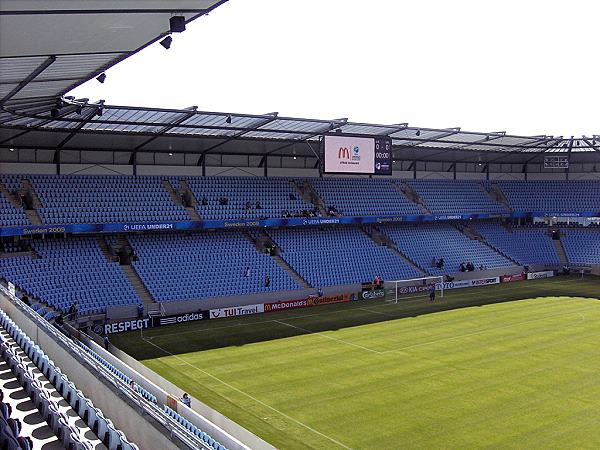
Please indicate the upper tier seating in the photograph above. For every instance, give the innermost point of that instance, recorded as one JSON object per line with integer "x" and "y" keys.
{"x": 582, "y": 246}
{"x": 552, "y": 196}
{"x": 118, "y": 198}
{"x": 337, "y": 256}
{"x": 525, "y": 245}
{"x": 455, "y": 197}
{"x": 11, "y": 216}
{"x": 203, "y": 265}
{"x": 70, "y": 270}
{"x": 100, "y": 199}
{"x": 363, "y": 196}
{"x": 423, "y": 242}
{"x": 274, "y": 195}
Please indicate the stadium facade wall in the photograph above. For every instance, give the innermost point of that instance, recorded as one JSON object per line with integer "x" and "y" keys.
{"x": 120, "y": 412}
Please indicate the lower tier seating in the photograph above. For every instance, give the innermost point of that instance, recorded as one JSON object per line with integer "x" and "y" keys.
{"x": 582, "y": 246}
{"x": 204, "y": 265}
{"x": 336, "y": 256}
{"x": 423, "y": 242}
{"x": 72, "y": 270}
{"x": 524, "y": 245}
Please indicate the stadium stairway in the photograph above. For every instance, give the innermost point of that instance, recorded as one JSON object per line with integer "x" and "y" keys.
{"x": 308, "y": 193}
{"x": 560, "y": 251}
{"x": 412, "y": 195}
{"x": 380, "y": 238}
{"x": 185, "y": 190}
{"x": 497, "y": 195}
{"x": 175, "y": 197}
{"x": 132, "y": 275}
{"x": 12, "y": 198}
{"x": 32, "y": 214}
{"x": 106, "y": 250}
{"x": 474, "y": 235}
{"x": 260, "y": 240}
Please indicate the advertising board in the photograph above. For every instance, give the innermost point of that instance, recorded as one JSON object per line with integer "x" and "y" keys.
{"x": 539, "y": 275}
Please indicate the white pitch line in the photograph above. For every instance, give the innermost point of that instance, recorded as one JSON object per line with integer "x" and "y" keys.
{"x": 318, "y": 333}
{"x": 250, "y": 396}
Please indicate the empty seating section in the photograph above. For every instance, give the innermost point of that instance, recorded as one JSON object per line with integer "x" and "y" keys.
{"x": 582, "y": 246}
{"x": 524, "y": 245}
{"x": 102, "y": 199}
{"x": 193, "y": 429}
{"x": 363, "y": 197}
{"x": 11, "y": 216}
{"x": 70, "y": 270}
{"x": 74, "y": 419}
{"x": 12, "y": 182}
{"x": 424, "y": 242}
{"x": 455, "y": 197}
{"x": 336, "y": 256}
{"x": 552, "y": 196}
{"x": 184, "y": 267}
{"x": 274, "y": 195}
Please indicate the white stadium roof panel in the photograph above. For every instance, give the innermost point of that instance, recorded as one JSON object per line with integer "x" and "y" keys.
{"x": 51, "y": 46}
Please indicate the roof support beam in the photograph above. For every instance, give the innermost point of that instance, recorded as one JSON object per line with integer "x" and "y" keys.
{"x": 170, "y": 126}
{"x": 89, "y": 116}
{"x": 241, "y": 133}
{"x": 28, "y": 79}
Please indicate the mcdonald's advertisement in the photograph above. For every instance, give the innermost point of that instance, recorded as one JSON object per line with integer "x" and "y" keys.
{"x": 348, "y": 154}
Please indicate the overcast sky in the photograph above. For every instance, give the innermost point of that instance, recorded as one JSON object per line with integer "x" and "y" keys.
{"x": 521, "y": 66}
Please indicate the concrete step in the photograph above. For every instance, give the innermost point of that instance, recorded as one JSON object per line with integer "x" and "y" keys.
{"x": 497, "y": 195}
{"x": 105, "y": 250}
{"x": 289, "y": 269}
{"x": 307, "y": 192}
{"x": 193, "y": 213}
{"x": 28, "y": 187}
{"x": 560, "y": 251}
{"x": 33, "y": 216}
{"x": 381, "y": 238}
{"x": 139, "y": 287}
{"x": 474, "y": 235}
{"x": 12, "y": 198}
{"x": 175, "y": 197}
{"x": 412, "y": 196}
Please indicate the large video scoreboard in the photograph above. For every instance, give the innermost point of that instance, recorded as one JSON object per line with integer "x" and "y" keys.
{"x": 356, "y": 155}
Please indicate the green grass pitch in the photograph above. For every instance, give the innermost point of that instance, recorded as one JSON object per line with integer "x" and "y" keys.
{"x": 507, "y": 366}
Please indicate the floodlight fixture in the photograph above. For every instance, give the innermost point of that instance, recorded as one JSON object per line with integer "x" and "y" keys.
{"x": 166, "y": 42}
{"x": 101, "y": 78}
{"x": 418, "y": 133}
{"x": 228, "y": 119}
{"x": 177, "y": 24}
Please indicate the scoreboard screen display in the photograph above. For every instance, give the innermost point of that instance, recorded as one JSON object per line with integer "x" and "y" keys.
{"x": 356, "y": 155}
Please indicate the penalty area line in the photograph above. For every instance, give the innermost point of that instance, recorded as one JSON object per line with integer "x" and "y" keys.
{"x": 260, "y": 402}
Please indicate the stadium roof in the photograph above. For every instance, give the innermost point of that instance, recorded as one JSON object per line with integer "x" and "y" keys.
{"x": 81, "y": 125}
{"x": 48, "y": 47}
